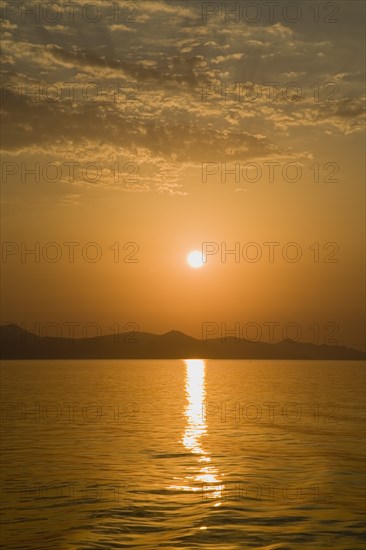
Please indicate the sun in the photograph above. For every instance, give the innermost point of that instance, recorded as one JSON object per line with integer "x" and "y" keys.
{"x": 194, "y": 259}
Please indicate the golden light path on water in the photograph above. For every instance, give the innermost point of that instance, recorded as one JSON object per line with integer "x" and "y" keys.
{"x": 196, "y": 427}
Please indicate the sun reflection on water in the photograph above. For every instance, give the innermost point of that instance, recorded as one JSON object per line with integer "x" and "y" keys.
{"x": 196, "y": 427}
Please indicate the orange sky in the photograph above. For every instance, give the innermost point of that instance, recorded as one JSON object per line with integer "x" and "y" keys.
{"x": 144, "y": 162}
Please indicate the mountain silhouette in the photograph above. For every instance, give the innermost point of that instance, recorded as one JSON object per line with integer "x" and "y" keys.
{"x": 17, "y": 343}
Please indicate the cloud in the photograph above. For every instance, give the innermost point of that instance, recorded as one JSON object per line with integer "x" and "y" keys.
{"x": 169, "y": 55}
{"x": 226, "y": 58}
{"x": 7, "y": 25}
{"x": 71, "y": 199}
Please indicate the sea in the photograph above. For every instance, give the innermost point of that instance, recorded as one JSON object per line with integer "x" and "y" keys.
{"x": 183, "y": 454}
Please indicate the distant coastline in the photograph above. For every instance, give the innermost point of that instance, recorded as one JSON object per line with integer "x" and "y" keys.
{"x": 17, "y": 343}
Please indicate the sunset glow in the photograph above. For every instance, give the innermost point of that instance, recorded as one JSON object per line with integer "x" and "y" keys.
{"x": 183, "y": 322}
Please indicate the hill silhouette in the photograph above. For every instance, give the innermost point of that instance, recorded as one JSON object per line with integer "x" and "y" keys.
{"x": 17, "y": 343}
